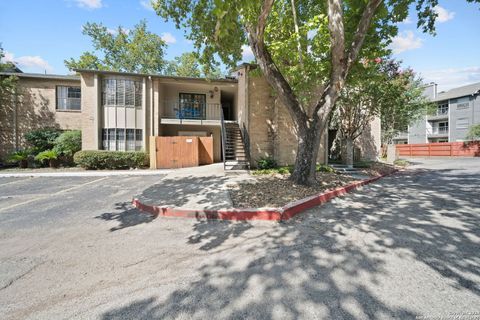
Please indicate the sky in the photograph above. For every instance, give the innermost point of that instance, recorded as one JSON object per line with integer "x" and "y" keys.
{"x": 40, "y": 34}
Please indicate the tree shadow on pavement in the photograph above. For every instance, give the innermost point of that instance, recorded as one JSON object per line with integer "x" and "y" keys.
{"x": 205, "y": 192}
{"x": 327, "y": 262}
{"x": 126, "y": 215}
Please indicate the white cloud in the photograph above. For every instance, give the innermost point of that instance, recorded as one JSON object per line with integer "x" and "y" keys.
{"x": 32, "y": 63}
{"x": 407, "y": 20}
{"x": 452, "y": 77}
{"x": 443, "y": 15}
{"x": 89, "y": 4}
{"x": 405, "y": 41}
{"x": 168, "y": 38}
{"x": 247, "y": 53}
{"x": 147, "y": 4}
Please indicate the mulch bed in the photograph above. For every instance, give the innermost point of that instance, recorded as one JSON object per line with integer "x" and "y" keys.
{"x": 276, "y": 190}
{"x": 273, "y": 191}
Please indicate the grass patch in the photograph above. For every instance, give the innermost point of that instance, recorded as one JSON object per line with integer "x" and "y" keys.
{"x": 289, "y": 170}
{"x": 401, "y": 163}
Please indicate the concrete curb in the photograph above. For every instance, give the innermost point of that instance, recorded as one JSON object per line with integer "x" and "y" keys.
{"x": 269, "y": 214}
{"x": 87, "y": 173}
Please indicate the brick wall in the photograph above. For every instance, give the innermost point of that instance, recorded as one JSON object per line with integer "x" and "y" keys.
{"x": 36, "y": 108}
{"x": 271, "y": 129}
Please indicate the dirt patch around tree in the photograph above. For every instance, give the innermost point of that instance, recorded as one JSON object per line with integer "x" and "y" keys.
{"x": 277, "y": 190}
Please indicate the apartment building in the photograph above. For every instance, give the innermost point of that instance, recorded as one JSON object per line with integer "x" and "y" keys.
{"x": 457, "y": 110}
{"x": 125, "y": 111}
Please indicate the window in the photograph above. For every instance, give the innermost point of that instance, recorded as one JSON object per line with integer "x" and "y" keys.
{"x": 192, "y": 106}
{"x": 68, "y": 98}
{"x": 122, "y": 139}
{"x": 463, "y": 106}
{"x": 121, "y": 92}
{"x": 442, "y": 109}
{"x": 463, "y": 123}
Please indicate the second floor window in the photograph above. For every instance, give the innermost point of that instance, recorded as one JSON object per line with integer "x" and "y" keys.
{"x": 442, "y": 109}
{"x": 121, "y": 92}
{"x": 68, "y": 98}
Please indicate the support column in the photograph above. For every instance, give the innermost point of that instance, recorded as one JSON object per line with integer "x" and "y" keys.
{"x": 144, "y": 109}
{"x": 96, "y": 111}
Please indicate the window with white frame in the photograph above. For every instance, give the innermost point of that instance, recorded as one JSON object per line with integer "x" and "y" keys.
{"x": 442, "y": 108}
{"x": 121, "y": 92}
{"x": 121, "y": 139}
{"x": 68, "y": 98}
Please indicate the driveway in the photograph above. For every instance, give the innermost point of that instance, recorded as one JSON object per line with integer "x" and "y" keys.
{"x": 407, "y": 246}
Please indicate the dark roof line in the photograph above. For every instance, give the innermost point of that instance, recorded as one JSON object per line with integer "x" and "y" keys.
{"x": 41, "y": 76}
{"x": 134, "y": 74}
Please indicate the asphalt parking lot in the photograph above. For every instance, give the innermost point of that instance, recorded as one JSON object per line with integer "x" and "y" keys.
{"x": 404, "y": 247}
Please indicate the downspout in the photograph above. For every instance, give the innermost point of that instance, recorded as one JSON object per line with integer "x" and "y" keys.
{"x": 15, "y": 124}
{"x": 152, "y": 128}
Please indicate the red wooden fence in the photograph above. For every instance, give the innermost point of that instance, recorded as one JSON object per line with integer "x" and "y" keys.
{"x": 440, "y": 149}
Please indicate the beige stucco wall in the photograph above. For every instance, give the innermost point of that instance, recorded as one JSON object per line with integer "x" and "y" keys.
{"x": 369, "y": 142}
{"x": 36, "y": 108}
{"x": 90, "y": 116}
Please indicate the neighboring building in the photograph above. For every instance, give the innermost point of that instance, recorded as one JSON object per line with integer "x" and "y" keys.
{"x": 122, "y": 111}
{"x": 457, "y": 110}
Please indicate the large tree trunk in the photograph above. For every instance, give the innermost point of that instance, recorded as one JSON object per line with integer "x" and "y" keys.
{"x": 307, "y": 152}
{"x": 349, "y": 152}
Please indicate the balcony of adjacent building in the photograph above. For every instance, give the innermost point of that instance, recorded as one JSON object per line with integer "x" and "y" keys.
{"x": 441, "y": 113}
{"x": 438, "y": 130}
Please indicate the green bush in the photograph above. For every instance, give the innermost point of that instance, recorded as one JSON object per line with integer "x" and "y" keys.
{"x": 68, "y": 143}
{"x": 46, "y": 155}
{"x": 266, "y": 163}
{"x": 42, "y": 139}
{"x": 280, "y": 170}
{"x": 474, "y": 132}
{"x": 100, "y": 159}
{"x": 21, "y": 157}
{"x": 324, "y": 168}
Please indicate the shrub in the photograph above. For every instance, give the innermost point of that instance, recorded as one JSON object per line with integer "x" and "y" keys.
{"x": 280, "y": 170}
{"x": 324, "y": 168}
{"x": 49, "y": 156}
{"x": 42, "y": 139}
{"x": 46, "y": 155}
{"x": 100, "y": 159}
{"x": 266, "y": 163}
{"x": 68, "y": 143}
{"x": 474, "y": 132}
{"x": 20, "y": 157}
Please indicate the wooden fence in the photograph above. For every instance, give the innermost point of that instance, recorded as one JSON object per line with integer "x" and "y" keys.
{"x": 181, "y": 151}
{"x": 440, "y": 149}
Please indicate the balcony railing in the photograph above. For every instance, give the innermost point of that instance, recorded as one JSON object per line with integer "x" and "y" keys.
{"x": 438, "y": 130}
{"x": 191, "y": 110}
{"x": 442, "y": 112}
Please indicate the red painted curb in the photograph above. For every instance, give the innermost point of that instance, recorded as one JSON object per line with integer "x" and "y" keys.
{"x": 274, "y": 214}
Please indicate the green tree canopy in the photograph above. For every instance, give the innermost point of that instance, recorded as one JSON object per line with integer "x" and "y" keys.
{"x": 188, "y": 65}
{"x": 305, "y": 49}
{"x": 136, "y": 50}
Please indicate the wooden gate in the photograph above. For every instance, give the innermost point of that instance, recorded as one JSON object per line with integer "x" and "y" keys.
{"x": 183, "y": 151}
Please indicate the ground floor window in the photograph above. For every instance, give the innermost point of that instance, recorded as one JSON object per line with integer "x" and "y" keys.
{"x": 120, "y": 139}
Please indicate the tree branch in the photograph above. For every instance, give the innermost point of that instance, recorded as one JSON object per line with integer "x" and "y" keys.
{"x": 256, "y": 39}
{"x": 360, "y": 33}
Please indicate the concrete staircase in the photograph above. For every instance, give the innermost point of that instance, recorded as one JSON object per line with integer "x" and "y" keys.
{"x": 354, "y": 172}
{"x": 235, "y": 154}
